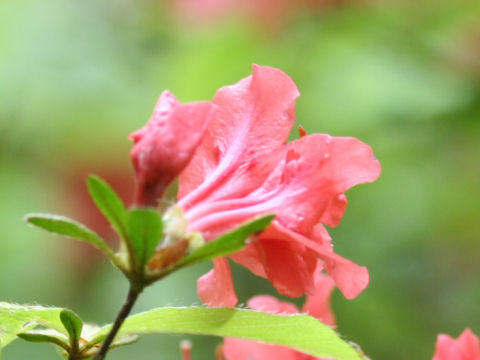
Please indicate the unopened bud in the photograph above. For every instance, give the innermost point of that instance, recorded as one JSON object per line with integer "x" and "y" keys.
{"x": 165, "y": 145}
{"x": 168, "y": 256}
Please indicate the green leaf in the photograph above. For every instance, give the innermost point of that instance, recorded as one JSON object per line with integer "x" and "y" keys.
{"x": 108, "y": 203}
{"x": 124, "y": 340}
{"x": 16, "y": 319}
{"x": 57, "y": 325}
{"x": 145, "y": 230}
{"x": 45, "y": 336}
{"x": 73, "y": 324}
{"x": 300, "y": 332}
{"x": 64, "y": 226}
{"x": 227, "y": 243}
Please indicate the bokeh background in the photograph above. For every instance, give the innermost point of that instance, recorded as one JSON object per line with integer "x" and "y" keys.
{"x": 76, "y": 77}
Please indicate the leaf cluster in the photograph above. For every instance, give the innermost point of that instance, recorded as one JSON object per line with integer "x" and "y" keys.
{"x": 66, "y": 330}
{"x": 140, "y": 231}
{"x": 145, "y": 256}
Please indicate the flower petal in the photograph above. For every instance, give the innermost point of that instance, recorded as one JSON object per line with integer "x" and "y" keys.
{"x": 271, "y": 305}
{"x": 239, "y": 349}
{"x": 318, "y": 304}
{"x": 215, "y": 288}
{"x": 240, "y": 147}
{"x": 350, "y": 278}
{"x": 317, "y": 170}
{"x": 466, "y": 347}
{"x": 250, "y": 259}
{"x": 165, "y": 145}
{"x": 335, "y": 210}
{"x": 305, "y": 188}
{"x": 286, "y": 268}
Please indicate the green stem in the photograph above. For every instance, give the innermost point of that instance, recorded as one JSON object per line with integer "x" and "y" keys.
{"x": 122, "y": 315}
{"x": 75, "y": 356}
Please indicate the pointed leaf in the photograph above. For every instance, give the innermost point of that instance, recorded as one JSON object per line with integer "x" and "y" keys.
{"x": 64, "y": 226}
{"x": 108, "y": 203}
{"x": 228, "y": 243}
{"x": 45, "y": 336}
{"x": 300, "y": 332}
{"x": 73, "y": 324}
{"x": 15, "y": 319}
{"x": 144, "y": 232}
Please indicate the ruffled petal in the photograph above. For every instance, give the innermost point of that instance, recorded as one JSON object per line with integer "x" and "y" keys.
{"x": 318, "y": 304}
{"x": 466, "y": 347}
{"x": 240, "y": 147}
{"x": 250, "y": 259}
{"x": 165, "y": 145}
{"x": 335, "y": 210}
{"x": 350, "y": 278}
{"x": 305, "y": 188}
{"x": 316, "y": 171}
{"x": 215, "y": 288}
{"x": 285, "y": 266}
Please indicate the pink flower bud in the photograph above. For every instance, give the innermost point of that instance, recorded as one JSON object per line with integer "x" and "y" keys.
{"x": 165, "y": 145}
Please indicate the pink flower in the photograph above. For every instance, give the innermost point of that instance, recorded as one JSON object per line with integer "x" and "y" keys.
{"x": 164, "y": 146}
{"x": 464, "y": 348}
{"x": 267, "y": 13}
{"x": 207, "y": 11}
{"x": 243, "y": 168}
{"x": 317, "y": 305}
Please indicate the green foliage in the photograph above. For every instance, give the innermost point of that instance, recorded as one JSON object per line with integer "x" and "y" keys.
{"x": 45, "y": 336}
{"x": 144, "y": 228}
{"x": 64, "y": 226}
{"x": 73, "y": 324}
{"x": 228, "y": 243}
{"x": 123, "y": 340}
{"x": 59, "y": 326}
{"x": 225, "y": 244}
{"x": 15, "y": 319}
{"x": 108, "y": 203}
{"x": 301, "y": 332}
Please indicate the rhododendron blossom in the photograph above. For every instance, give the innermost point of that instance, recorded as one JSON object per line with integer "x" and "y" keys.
{"x": 317, "y": 305}
{"x": 464, "y": 348}
{"x": 238, "y": 166}
{"x": 244, "y": 168}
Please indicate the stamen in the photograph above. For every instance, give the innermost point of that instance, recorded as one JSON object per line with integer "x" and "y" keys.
{"x": 219, "y": 352}
{"x": 301, "y": 131}
{"x": 186, "y": 349}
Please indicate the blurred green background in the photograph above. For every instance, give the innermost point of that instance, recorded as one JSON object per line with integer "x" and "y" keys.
{"x": 76, "y": 77}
